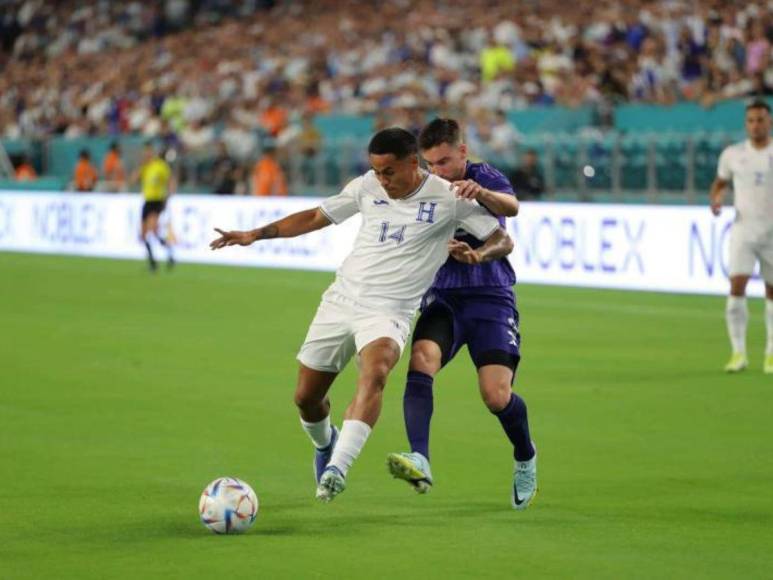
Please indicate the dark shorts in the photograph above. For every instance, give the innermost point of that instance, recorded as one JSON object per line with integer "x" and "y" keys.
{"x": 152, "y": 208}
{"x": 485, "y": 319}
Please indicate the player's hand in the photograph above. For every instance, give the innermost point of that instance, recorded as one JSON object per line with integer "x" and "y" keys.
{"x": 234, "y": 238}
{"x": 462, "y": 252}
{"x": 467, "y": 189}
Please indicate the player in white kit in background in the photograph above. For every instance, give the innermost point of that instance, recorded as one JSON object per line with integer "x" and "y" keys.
{"x": 408, "y": 219}
{"x": 749, "y": 166}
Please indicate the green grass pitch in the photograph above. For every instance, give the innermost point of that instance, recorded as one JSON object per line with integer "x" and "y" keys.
{"x": 123, "y": 394}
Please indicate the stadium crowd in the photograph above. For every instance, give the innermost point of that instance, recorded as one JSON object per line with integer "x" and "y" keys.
{"x": 201, "y": 72}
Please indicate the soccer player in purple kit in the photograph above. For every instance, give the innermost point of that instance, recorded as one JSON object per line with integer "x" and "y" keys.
{"x": 469, "y": 303}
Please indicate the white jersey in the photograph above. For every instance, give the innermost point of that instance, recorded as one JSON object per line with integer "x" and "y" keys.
{"x": 402, "y": 242}
{"x": 751, "y": 171}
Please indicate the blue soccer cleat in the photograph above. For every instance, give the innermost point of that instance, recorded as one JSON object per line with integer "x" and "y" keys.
{"x": 413, "y": 468}
{"x": 322, "y": 456}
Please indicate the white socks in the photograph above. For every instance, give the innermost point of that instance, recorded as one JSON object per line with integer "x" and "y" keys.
{"x": 351, "y": 440}
{"x": 769, "y": 326}
{"x": 737, "y": 316}
{"x": 320, "y": 432}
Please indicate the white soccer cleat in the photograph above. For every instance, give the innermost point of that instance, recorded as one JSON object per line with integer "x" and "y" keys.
{"x": 525, "y": 481}
{"x": 331, "y": 484}
{"x": 737, "y": 363}
{"x": 767, "y": 368}
{"x": 413, "y": 468}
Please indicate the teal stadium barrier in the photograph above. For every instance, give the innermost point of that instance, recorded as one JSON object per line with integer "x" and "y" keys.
{"x": 650, "y": 149}
{"x": 336, "y": 128}
{"x": 684, "y": 118}
{"x": 551, "y": 119}
{"x": 62, "y": 153}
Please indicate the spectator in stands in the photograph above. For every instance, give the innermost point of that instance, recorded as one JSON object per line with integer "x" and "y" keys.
{"x": 309, "y": 139}
{"x": 85, "y": 176}
{"x": 198, "y": 137}
{"x": 169, "y": 139}
{"x": 308, "y": 144}
{"x": 504, "y": 136}
{"x": 527, "y": 180}
{"x": 25, "y": 171}
{"x": 315, "y": 104}
{"x": 760, "y": 87}
{"x": 113, "y": 171}
{"x": 757, "y": 47}
{"x": 736, "y": 85}
{"x": 225, "y": 172}
{"x": 173, "y": 112}
{"x": 198, "y": 140}
{"x": 692, "y": 51}
{"x": 240, "y": 141}
{"x": 268, "y": 178}
{"x": 495, "y": 58}
{"x": 273, "y": 119}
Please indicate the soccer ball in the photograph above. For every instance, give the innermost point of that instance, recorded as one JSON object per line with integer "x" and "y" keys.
{"x": 228, "y": 506}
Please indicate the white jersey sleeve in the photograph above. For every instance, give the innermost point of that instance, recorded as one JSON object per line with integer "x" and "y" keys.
{"x": 724, "y": 168}
{"x": 339, "y": 208}
{"x": 474, "y": 218}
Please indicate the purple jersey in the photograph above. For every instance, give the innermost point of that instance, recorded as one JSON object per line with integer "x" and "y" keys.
{"x": 497, "y": 273}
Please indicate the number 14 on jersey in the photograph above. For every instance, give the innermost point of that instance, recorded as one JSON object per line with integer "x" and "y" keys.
{"x": 397, "y": 234}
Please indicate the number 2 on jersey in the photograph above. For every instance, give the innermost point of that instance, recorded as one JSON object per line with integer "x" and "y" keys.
{"x": 398, "y": 234}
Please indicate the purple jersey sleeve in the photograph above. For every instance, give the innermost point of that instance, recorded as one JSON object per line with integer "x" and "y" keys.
{"x": 498, "y": 273}
{"x": 489, "y": 177}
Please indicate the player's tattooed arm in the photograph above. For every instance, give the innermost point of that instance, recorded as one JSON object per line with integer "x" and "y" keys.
{"x": 266, "y": 233}
{"x": 498, "y": 245}
{"x": 293, "y": 225}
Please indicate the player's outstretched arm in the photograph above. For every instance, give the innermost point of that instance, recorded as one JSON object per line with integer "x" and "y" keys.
{"x": 293, "y": 225}
{"x": 717, "y": 195}
{"x": 498, "y": 245}
{"x": 504, "y": 204}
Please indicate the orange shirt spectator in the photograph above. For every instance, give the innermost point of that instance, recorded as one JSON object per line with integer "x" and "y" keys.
{"x": 112, "y": 168}
{"x": 25, "y": 171}
{"x": 316, "y": 104}
{"x": 274, "y": 119}
{"x": 268, "y": 177}
{"x": 85, "y": 178}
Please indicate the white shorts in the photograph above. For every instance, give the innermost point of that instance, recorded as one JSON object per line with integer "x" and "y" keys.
{"x": 747, "y": 246}
{"x": 342, "y": 328}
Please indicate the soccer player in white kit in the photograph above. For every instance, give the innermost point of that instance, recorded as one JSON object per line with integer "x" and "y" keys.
{"x": 408, "y": 221}
{"x": 749, "y": 165}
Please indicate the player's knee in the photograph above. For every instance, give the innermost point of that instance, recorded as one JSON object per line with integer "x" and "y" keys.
{"x": 305, "y": 399}
{"x": 375, "y": 376}
{"x": 738, "y": 285}
{"x": 738, "y": 291}
{"x": 424, "y": 359}
{"x": 300, "y": 399}
{"x": 496, "y": 396}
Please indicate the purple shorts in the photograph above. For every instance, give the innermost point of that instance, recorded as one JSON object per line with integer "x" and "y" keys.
{"x": 485, "y": 319}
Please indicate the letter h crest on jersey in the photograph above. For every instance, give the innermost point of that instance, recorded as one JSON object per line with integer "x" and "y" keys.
{"x": 426, "y": 212}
